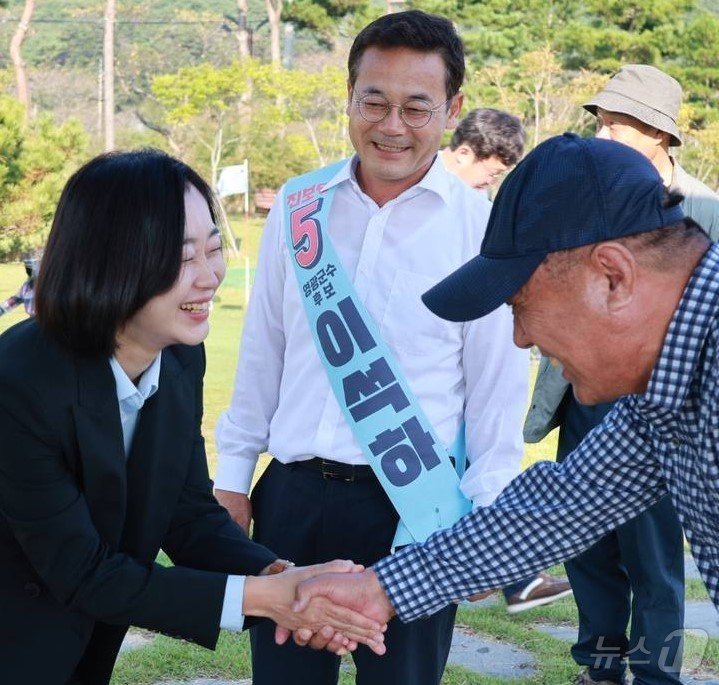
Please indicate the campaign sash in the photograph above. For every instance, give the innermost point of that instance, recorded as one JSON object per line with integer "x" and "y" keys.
{"x": 385, "y": 417}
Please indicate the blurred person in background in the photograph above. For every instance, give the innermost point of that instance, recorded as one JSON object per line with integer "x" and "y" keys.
{"x": 24, "y": 296}
{"x": 485, "y": 144}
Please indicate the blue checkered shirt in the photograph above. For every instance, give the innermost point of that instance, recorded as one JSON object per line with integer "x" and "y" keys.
{"x": 664, "y": 440}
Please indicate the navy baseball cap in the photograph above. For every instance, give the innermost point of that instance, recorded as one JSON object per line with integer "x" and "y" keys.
{"x": 567, "y": 192}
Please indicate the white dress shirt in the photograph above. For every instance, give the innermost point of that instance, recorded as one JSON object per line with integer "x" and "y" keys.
{"x": 282, "y": 401}
{"x": 131, "y": 398}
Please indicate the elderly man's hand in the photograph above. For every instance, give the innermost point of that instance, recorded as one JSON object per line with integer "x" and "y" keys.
{"x": 337, "y": 627}
{"x": 360, "y": 592}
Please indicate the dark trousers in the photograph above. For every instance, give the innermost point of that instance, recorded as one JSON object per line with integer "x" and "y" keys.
{"x": 637, "y": 570}
{"x": 306, "y": 518}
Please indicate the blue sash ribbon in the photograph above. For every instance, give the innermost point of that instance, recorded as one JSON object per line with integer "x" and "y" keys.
{"x": 396, "y": 437}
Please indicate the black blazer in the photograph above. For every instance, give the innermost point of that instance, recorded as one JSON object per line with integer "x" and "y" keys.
{"x": 80, "y": 526}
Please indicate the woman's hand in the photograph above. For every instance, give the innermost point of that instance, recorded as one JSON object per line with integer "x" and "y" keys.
{"x": 272, "y": 597}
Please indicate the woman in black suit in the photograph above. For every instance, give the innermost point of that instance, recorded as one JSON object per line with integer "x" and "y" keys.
{"x": 102, "y": 461}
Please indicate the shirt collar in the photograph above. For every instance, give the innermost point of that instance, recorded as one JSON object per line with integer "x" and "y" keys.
{"x": 129, "y": 395}
{"x": 679, "y": 178}
{"x": 345, "y": 173}
{"x": 437, "y": 179}
{"x": 675, "y": 369}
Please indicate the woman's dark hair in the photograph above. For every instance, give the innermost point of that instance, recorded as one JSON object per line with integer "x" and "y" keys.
{"x": 418, "y": 31}
{"x": 115, "y": 242}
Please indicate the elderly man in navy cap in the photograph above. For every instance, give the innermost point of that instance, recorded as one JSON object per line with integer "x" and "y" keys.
{"x": 605, "y": 274}
{"x": 636, "y": 570}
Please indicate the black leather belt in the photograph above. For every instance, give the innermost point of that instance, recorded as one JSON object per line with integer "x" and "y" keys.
{"x": 334, "y": 470}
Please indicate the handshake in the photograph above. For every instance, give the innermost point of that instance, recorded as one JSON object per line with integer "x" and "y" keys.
{"x": 333, "y": 606}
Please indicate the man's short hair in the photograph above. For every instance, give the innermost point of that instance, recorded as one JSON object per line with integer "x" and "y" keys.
{"x": 414, "y": 30}
{"x": 665, "y": 249}
{"x": 491, "y": 132}
{"x": 115, "y": 243}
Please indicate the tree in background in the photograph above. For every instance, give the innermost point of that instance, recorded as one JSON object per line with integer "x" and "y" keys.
{"x": 274, "y": 16}
{"x": 198, "y": 104}
{"x": 535, "y": 88}
{"x": 326, "y": 17}
{"x": 294, "y": 121}
{"x": 314, "y": 100}
{"x": 243, "y": 29}
{"x": 23, "y": 89}
{"x": 35, "y": 162}
{"x": 108, "y": 76}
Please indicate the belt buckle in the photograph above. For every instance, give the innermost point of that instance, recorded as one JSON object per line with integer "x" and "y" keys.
{"x": 328, "y": 472}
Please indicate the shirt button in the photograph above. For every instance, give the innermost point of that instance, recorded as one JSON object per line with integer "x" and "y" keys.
{"x": 676, "y": 442}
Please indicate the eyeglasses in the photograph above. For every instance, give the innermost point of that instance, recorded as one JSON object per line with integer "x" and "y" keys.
{"x": 492, "y": 174}
{"x": 413, "y": 113}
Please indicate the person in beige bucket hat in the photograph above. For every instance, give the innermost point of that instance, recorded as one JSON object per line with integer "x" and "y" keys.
{"x": 638, "y": 569}
{"x": 639, "y": 106}
{"x": 645, "y": 93}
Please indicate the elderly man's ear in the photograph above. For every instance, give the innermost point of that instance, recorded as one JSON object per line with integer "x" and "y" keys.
{"x": 616, "y": 266}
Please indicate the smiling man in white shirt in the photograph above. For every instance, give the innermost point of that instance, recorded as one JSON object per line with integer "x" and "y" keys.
{"x": 398, "y": 222}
